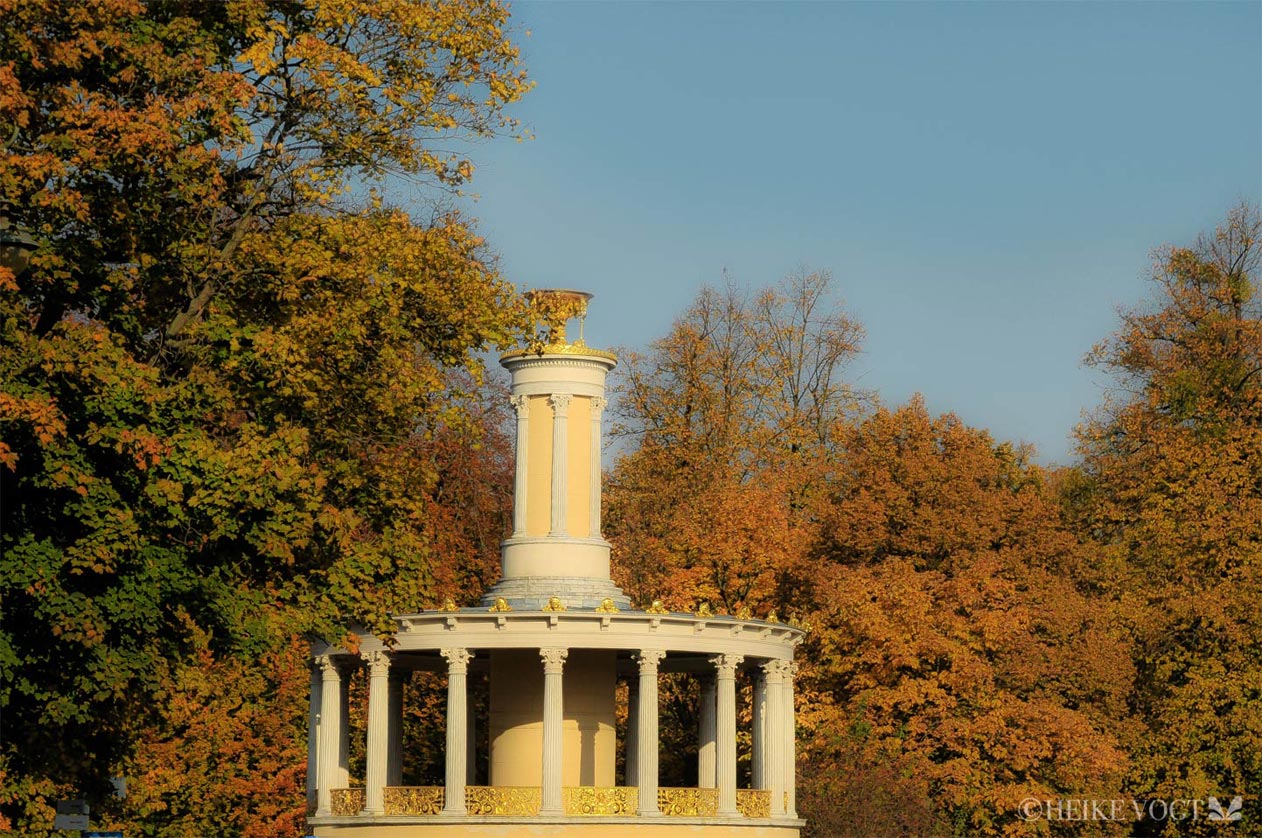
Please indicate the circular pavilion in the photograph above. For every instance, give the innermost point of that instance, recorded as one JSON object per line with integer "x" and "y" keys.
{"x": 552, "y": 637}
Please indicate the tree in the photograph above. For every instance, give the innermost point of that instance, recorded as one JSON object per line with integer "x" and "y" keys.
{"x": 733, "y": 415}
{"x": 223, "y": 374}
{"x": 1171, "y": 492}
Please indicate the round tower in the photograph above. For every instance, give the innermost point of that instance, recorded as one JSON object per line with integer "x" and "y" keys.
{"x": 558, "y": 393}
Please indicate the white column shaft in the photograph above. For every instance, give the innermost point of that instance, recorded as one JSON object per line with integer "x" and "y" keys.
{"x": 560, "y": 460}
{"x": 553, "y": 692}
{"x": 457, "y": 736}
{"x": 707, "y": 755}
{"x": 647, "y": 738}
{"x": 790, "y": 743}
{"x": 330, "y": 736}
{"x": 522, "y": 405}
{"x": 725, "y": 667}
{"x": 773, "y": 671}
{"x": 758, "y": 733}
{"x": 378, "y": 733}
{"x": 633, "y": 731}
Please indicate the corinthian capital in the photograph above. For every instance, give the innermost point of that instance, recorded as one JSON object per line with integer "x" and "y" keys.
{"x": 649, "y": 659}
{"x": 520, "y": 404}
{"x": 560, "y": 403}
{"x": 457, "y": 659}
{"x": 553, "y": 659}
{"x": 378, "y": 663}
{"x": 725, "y": 665}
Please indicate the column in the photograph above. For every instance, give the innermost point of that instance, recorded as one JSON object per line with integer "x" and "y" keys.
{"x": 633, "y": 731}
{"x": 553, "y": 663}
{"x": 773, "y": 673}
{"x": 394, "y": 755}
{"x": 560, "y": 459}
{"x": 313, "y": 739}
{"x": 378, "y": 732}
{"x": 790, "y": 741}
{"x": 521, "y": 404}
{"x": 758, "y": 733}
{"x": 646, "y": 739}
{"x": 706, "y": 776}
{"x": 725, "y": 677}
{"x": 457, "y": 737}
{"x": 598, "y": 406}
{"x": 330, "y": 735}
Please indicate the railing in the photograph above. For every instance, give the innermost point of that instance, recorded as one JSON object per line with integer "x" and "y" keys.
{"x": 502, "y": 800}
{"x": 592, "y": 800}
{"x": 414, "y": 800}
{"x": 688, "y": 803}
{"x": 577, "y": 800}
{"x": 346, "y": 801}
{"x": 753, "y": 803}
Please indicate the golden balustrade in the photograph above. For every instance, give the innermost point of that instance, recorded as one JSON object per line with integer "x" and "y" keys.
{"x": 346, "y": 801}
{"x": 753, "y": 803}
{"x": 503, "y": 800}
{"x": 414, "y": 800}
{"x": 688, "y": 803}
{"x": 593, "y": 800}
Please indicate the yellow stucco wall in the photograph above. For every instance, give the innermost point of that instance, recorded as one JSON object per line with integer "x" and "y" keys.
{"x": 539, "y": 473}
{"x": 516, "y": 723}
{"x": 578, "y": 480}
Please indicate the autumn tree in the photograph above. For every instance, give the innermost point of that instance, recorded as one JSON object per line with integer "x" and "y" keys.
{"x": 1171, "y": 494}
{"x": 727, "y": 420}
{"x": 956, "y": 659}
{"x": 224, "y": 371}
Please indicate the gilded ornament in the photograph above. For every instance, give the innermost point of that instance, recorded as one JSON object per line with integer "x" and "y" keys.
{"x": 554, "y": 604}
{"x": 449, "y": 604}
{"x": 753, "y": 803}
{"x": 657, "y": 608}
{"x": 502, "y": 800}
{"x": 743, "y": 613}
{"x": 414, "y": 800}
{"x": 501, "y": 604}
{"x": 589, "y": 800}
{"x": 606, "y": 606}
{"x": 346, "y": 801}
{"x": 704, "y": 610}
{"x": 688, "y": 802}
{"x": 772, "y": 618}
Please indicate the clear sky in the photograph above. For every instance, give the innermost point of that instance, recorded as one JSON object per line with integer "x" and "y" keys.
{"x": 986, "y": 181}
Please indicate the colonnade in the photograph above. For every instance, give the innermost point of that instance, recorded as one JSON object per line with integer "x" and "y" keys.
{"x": 773, "y": 756}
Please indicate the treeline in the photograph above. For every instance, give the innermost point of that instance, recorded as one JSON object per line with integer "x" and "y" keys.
{"x": 238, "y": 405}
{"x": 983, "y": 629}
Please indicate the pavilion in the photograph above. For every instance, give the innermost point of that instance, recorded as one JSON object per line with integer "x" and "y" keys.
{"x": 553, "y": 636}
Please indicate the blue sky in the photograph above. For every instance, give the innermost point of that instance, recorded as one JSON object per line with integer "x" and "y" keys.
{"x": 986, "y": 181}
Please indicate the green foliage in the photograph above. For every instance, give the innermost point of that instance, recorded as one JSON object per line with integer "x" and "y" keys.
{"x": 220, "y": 384}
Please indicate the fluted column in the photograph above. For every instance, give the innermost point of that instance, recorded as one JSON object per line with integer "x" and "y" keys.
{"x": 790, "y": 741}
{"x": 394, "y": 757}
{"x": 725, "y": 678}
{"x": 313, "y": 739}
{"x": 758, "y": 733}
{"x": 633, "y": 731}
{"x": 707, "y": 777}
{"x": 457, "y": 737}
{"x": 598, "y": 407}
{"x": 521, "y": 404}
{"x": 560, "y": 459}
{"x": 553, "y": 692}
{"x": 378, "y": 732}
{"x": 330, "y": 734}
{"x": 773, "y": 672}
{"x": 646, "y": 740}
